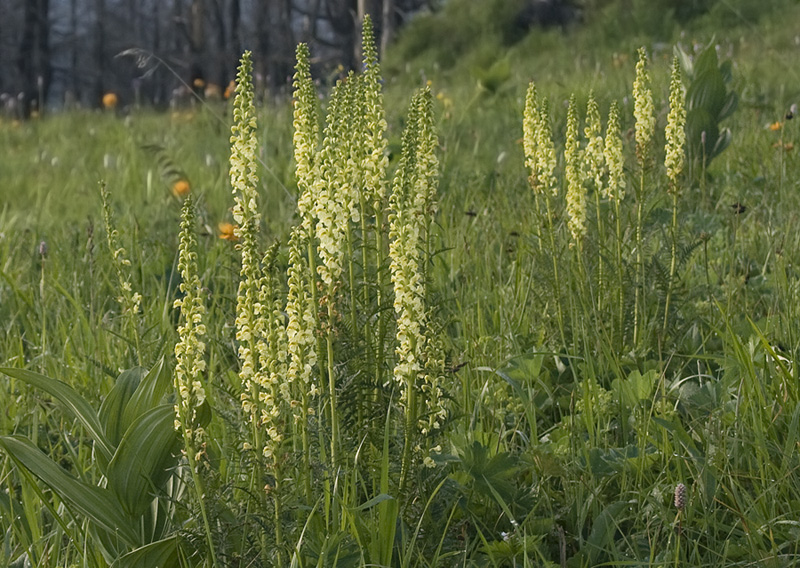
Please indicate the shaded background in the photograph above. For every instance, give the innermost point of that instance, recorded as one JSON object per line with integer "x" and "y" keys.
{"x": 56, "y": 53}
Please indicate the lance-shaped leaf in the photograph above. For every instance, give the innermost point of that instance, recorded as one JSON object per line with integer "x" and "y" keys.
{"x": 67, "y": 396}
{"x": 144, "y": 459}
{"x": 96, "y": 503}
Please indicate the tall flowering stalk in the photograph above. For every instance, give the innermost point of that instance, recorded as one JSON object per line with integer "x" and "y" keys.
{"x": 374, "y": 161}
{"x": 273, "y": 389}
{"x": 576, "y": 193}
{"x": 674, "y": 162}
{"x": 306, "y": 135}
{"x": 190, "y": 349}
{"x": 407, "y": 225}
{"x": 332, "y": 214}
{"x": 594, "y": 169}
{"x": 531, "y": 126}
{"x": 615, "y": 191}
{"x": 190, "y": 361}
{"x": 259, "y": 319}
{"x": 545, "y": 160}
{"x": 644, "y": 131}
{"x": 244, "y": 180}
{"x": 128, "y": 300}
{"x": 301, "y": 342}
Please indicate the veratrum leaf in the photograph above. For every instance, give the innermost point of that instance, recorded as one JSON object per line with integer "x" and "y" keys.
{"x": 98, "y": 504}
{"x": 113, "y": 407}
{"x": 144, "y": 459}
{"x": 159, "y": 554}
{"x": 149, "y": 393}
{"x": 67, "y": 396}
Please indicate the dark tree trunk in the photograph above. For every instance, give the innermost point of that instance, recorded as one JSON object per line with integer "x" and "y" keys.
{"x": 387, "y": 25}
{"x": 276, "y": 42}
{"x": 235, "y": 41}
{"x": 197, "y": 42}
{"x": 99, "y": 50}
{"x": 33, "y": 59}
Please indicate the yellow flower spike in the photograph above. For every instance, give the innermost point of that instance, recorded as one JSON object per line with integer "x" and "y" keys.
{"x": 376, "y": 159}
{"x": 546, "y": 159}
{"x": 576, "y": 193}
{"x": 306, "y": 133}
{"x": 643, "y": 108}
{"x": 244, "y": 180}
{"x": 190, "y": 349}
{"x": 675, "y": 131}
{"x": 530, "y": 131}
{"x": 595, "y": 160}
{"x": 615, "y": 160}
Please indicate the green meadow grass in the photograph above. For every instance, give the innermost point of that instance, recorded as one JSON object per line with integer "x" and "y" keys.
{"x": 560, "y": 448}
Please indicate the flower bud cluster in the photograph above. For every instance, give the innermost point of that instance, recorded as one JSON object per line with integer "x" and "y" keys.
{"x": 615, "y": 160}
{"x": 576, "y": 193}
{"x": 643, "y": 109}
{"x": 676, "y": 128}
{"x": 190, "y": 349}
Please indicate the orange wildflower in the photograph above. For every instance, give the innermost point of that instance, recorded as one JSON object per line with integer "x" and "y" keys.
{"x": 775, "y": 126}
{"x": 180, "y": 188}
{"x": 110, "y": 101}
{"x": 198, "y": 83}
{"x": 226, "y": 231}
{"x": 230, "y": 89}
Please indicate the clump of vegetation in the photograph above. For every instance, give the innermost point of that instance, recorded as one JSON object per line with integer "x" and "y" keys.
{"x": 521, "y": 337}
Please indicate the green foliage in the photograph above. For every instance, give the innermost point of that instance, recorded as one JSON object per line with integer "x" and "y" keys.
{"x": 555, "y": 448}
{"x": 136, "y": 444}
{"x": 708, "y": 103}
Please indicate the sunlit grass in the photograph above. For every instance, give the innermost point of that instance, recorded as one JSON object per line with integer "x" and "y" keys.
{"x": 556, "y": 441}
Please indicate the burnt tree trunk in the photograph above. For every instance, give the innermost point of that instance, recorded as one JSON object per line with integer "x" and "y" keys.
{"x": 99, "y": 50}
{"x": 33, "y": 58}
{"x": 387, "y": 25}
{"x": 197, "y": 42}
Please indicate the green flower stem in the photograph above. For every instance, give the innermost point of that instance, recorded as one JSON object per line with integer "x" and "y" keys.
{"x": 197, "y": 482}
{"x": 379, "y": 262}
{"x": 601, "y": 241}
{"x": 332, "y": 387}
{"x": 673, "y": 260}
{"x": 620, "y": 287}
{"x": 639, "y": 287}
{"x": 408, "y": 434}
{"x": 556, "y": 281}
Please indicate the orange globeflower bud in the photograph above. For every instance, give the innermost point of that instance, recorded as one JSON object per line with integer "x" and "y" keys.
{"x": 198, "y": 83}
{"x": 180, "y": 188}
{"x": 110, "y": 101}
{"x": 775, "y": 126}
{"x": 226, "y": 231}
{"x": 230, "y": 89}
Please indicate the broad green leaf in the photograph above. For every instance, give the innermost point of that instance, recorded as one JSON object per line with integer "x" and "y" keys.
{"x": 144, "y": 459}
{"x": 707, "y": 91}
{"x": 148, "y": 394}
{"x": 76, "y": 404}
{"x": 96, "y": 503}
{"x": 160, "y": 554}
{"x": 112, "y": 410}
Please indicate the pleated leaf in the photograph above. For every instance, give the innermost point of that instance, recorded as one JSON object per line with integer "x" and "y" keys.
{"x": 96, "y": 503}
{"x": 67, "y": 396}
{"x": 144, "y": 459}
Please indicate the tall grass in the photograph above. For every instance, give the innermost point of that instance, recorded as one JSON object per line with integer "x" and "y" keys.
{"x": 479, "y": 375}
